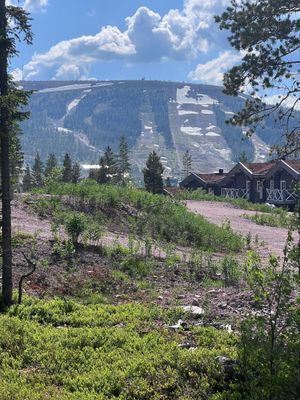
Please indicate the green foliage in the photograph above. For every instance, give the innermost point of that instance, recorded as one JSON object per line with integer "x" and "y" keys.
{"x": 50, "y": 164}
{"x": 75, "y": 225}
{"x": 153, "y": 174}
{"x": 123, "y": 164}
{"x": 161, "y": 216}
{"x": 67, "y": 169}
{"x": 62, "y": 350}
{"x": 27, "y": 180}
{"x": 254, "y": 28}
{"x": 187, "y": 163}
{"x": 75, "y": 173}
{"x": 269, "y": 345}
{"x": 279, "y": 218}
{"x": 38, "y": 171}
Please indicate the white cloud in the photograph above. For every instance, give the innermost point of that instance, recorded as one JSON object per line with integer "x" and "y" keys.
{"x": 179, "y": 35}
{"x": 35, "y": 5}
{"x": 30, "y": 5}
{"x": 212, "y": 71}
{"x": 17, "y": 74}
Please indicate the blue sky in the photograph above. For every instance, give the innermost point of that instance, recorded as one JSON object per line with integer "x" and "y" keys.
{"x": 125, "y": 39}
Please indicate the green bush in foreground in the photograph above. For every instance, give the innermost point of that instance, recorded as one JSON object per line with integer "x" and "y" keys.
{"x": 105, "y": 352}
{"x": 156, "y": 215}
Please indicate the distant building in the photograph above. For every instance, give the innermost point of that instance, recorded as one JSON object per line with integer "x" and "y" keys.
{"x": 208, "y": 182}
{"x": 246, "y": 180}
{"x": 272, "y": 182}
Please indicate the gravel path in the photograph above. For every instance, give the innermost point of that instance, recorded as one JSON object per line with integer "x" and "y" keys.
{"x": 274, "y": 238}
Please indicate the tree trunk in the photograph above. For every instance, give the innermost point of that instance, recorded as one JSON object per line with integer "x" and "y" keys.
{"x": 7, "y": 284}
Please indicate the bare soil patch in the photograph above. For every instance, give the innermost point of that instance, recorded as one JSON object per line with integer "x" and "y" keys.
{"x": 274, "y": 238}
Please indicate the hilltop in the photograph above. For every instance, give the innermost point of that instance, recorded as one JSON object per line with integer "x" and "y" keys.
{"x": 84, "y": 117}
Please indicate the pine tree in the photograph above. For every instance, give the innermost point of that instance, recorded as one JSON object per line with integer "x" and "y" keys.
{"x": 37, "y": 172}
{"x": 75, "y": 173}
{"x": 187, "y": 163}
{"x": 266, "y": 33}
{"x": 102, "y": 177}
{"x": 50, "y": 164}
{"x": 93, "y": 174}
{"x": 27, "y": 180}
{"x": 14, "y": 22}
{"x": 108, "y": 167}
{"x": 67, "y": 169}
{"x": 243, "y": 157}
{"x": 153, "y": 174}
{"x": 123, "y": 166}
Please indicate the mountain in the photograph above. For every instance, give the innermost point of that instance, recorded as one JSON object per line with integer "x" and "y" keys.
{"x": 83, "y": 118}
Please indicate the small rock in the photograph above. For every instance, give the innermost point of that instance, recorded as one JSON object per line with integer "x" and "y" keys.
{"x": 222, "y": 305}
{"x": 196, "y": 303}
{"x": 186, "y": 345}
{"x": 180, "y": 325}
{"x": 160, "y": 298}
{"x": 196, "y": 311}
{"x": 180, "y": 296}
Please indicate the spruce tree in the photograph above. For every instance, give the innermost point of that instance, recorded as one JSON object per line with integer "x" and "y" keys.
{"x": 27, "y": 180}
{"x": 123, "y": 167}
{"x": 50, "y": 164}
{"x": 93, "y": 174}
{"x": 38, "y": 172}
{"x": 67, "y": 169}
{"x": 108, "y": 167}
{"x": 187, "y": 163}
{"x": 75, "y": 173}
{"x": 14, "y": 23}
{"x": 153, "y": 174}
{"x": 102, "y": 176}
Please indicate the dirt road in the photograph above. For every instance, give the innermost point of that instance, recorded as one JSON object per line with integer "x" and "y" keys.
{"x": 274, "y": 238}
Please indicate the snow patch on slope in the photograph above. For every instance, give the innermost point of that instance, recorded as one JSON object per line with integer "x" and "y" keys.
{"x": 192, "y": 131}
{"x": 183, "y": 97}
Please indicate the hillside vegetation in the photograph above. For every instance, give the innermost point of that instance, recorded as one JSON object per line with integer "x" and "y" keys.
{"x": 144, "y": 214}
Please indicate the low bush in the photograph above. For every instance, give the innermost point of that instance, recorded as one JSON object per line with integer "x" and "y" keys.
{"x": 61, "y": 350}
{"x": 279, "y": 218}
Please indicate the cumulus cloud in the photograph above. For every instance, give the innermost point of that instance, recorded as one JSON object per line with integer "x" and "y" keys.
{"x": 149, "y": 37}
{"x": 17, "y": 74}
{"x": 212, "y": 71}
{"x": 35, "y": 5}
{"x": 31, "y": 5}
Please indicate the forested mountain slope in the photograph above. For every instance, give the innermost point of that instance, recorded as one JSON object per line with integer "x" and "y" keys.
{"x": 82, "y": 118}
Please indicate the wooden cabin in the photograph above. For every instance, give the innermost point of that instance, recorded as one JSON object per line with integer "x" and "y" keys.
{"x": 208, "y": 182}
{"x": 280, "y": 183}
{"x": 246, "y": 180}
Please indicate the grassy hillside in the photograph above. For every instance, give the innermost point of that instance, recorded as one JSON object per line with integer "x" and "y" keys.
{"x": 145, "y": 214}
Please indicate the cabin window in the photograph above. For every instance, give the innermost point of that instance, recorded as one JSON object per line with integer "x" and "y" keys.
{"x": 282, "y": 185}
{"x": 272, "y": 184}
